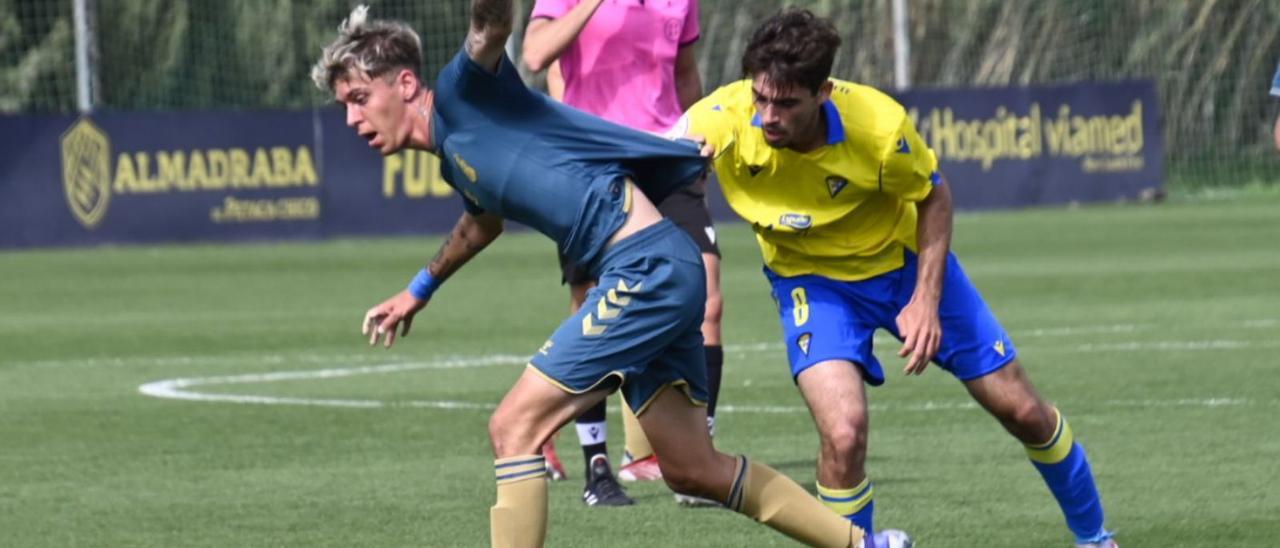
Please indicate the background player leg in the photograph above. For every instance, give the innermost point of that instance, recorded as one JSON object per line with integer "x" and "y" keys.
{"x": 711, "y": 337}
{"x": 531, "y": 411}
{"x": 638, "y": 460}
{"x": 837, "y": 399}
{"x": 601, "y": 488}
{"x": 690, "y": 464}
{"x": 1008, "y": 395}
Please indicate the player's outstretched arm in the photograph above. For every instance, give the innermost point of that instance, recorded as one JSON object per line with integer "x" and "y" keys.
{"x": 688, "y": 80}
{"x": 545, "y": 39}
{"x": 490, "y": 27}
{"x": 918, "y": 322}
{"x": 472, "y": 233}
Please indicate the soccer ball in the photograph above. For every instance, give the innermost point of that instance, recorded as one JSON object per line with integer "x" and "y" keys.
{"x": 892, "y": 538}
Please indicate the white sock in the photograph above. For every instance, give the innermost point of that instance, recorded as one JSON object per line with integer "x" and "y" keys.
{"x": 592, "y": 433}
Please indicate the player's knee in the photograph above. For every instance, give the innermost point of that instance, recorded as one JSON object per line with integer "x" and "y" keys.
{"x": 497, "y": 435}
{"x": 1031, "y": 419}
{"x": 848, "y": 440}
{"x": 684, "y": 479}
{"x": 506, "y": 437}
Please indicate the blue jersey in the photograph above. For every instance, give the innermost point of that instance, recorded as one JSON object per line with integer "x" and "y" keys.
{"x": 518, "y": 154}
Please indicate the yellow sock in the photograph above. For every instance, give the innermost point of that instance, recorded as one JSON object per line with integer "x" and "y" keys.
{"x": 519, "y": 518}
{"x": 1059, "y": 445}
{"x": 773, "y": 499}
{"x": 857, "y": 505}
{"x": 637, "y": 445}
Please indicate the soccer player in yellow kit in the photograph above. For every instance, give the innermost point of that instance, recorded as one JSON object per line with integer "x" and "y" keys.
{"x": 854, "y": 223}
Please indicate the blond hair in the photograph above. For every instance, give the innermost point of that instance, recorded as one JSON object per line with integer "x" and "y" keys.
{"x": 375, "y": 48}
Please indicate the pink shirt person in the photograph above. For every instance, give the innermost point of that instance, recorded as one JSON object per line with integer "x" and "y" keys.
{"x": 621, "y": 67}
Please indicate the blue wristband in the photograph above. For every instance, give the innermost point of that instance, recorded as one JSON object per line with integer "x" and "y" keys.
{"x": 423, "y": 285}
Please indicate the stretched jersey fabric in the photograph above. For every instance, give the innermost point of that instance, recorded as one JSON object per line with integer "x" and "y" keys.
{"x": 845, "y": 210}
{"x": 520, "y": 155}
{"x": 621, "y": 66}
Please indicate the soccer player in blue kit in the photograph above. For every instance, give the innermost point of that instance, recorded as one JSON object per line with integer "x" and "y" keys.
{"x": 591, "y": 186}
{"x": 853, "y": 219}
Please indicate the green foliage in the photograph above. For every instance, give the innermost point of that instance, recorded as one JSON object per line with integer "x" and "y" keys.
{"x": 1211, "y": 60}
{"x": 37, "y": 65}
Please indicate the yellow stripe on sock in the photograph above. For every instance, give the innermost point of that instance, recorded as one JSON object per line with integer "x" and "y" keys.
{"x": 1058, "y": 446}
{"x": 518, "y": 518}
{"x": 523, "y": 467}
{"x": 847, "y": 501}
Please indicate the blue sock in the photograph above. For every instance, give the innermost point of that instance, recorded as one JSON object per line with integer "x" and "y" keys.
{"x": 856, "y": 505}
{"x": 1065, "y": 469}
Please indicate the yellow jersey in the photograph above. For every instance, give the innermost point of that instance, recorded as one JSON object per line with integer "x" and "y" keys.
{"x": 845, "y": 210}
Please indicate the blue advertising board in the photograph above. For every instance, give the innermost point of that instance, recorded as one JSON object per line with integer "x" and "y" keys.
{"x": 208, "y": 176}
{"x": 157, "y": 177}
{"x": 1026, "y": 146}
{"x": 217, "y": 176}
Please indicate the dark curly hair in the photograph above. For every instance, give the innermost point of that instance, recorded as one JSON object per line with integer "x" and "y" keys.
{"x": 794, "y": 47}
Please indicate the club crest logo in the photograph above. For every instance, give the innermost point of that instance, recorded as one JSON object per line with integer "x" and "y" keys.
{"x": 999, "y": 348}
{"x": 86, "y": 172}
{"x": 902, "y": 146}
{"x": 835, "y": 184}
{"x": 671, "y": 28}
{"x": 803, "y": 342}
{"x": 798, "y": 221}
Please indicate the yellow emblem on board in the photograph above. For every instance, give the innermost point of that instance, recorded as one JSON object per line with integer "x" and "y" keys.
{"x": 86, "y": 171}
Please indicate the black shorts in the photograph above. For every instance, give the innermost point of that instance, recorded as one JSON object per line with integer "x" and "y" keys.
{"x": 687, "y": 208}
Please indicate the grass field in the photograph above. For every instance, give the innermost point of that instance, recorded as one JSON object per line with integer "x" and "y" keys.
{"x": 1155, "y": 329}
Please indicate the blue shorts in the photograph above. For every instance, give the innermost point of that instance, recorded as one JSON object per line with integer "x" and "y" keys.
{"x": 825, "y": 319}
{"x": 640, "y": 325}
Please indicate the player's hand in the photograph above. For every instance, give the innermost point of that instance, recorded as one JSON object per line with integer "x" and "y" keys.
{"x": 381, "y": 321}
{"x": 706, "y": 149}
{"x": 921, "y": 334}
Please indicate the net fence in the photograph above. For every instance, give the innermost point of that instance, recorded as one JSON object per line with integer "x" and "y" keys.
{"x": 1212, "y": 61}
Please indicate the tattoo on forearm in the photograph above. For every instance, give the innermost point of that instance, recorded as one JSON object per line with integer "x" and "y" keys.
{"x": 440, "y": 266}
{"x": 458, "y": 248}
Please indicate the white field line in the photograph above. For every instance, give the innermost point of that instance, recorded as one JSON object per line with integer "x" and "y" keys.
{"x": 177, "y": 388}
{"x": 180, "y": 388}
{"x": 1133, "y": 346}
{"x": 219, "y": 360}
{"x": 374, "y": 358}
{"x": 964, "y": 405}
{"x": 1121, "y": 346}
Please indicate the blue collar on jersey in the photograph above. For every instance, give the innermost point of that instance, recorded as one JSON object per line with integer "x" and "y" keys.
{"x": 835, "y": 128}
